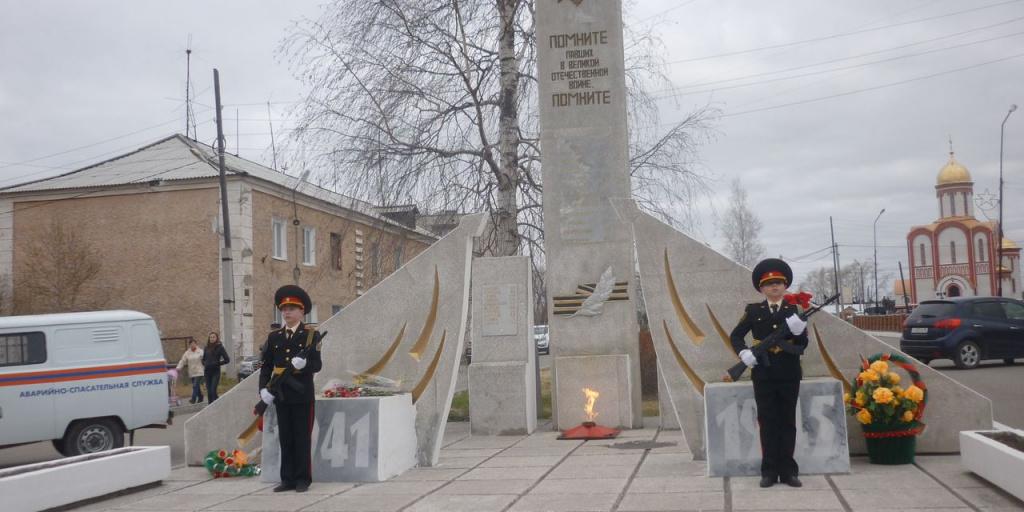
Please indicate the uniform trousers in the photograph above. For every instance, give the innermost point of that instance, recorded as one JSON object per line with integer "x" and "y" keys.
{"x": 776, "y": 420}
{"x": 295, "y": 428}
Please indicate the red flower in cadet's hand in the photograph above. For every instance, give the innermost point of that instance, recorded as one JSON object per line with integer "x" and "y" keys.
{"x": 802, "y": 299}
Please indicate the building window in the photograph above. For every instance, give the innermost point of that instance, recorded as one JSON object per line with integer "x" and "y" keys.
{"x": 336, "y": 251}
{"x": 399, "y": 258}
{"x": 952, "y": 206}
{"x": 952, "y": 252}
{"x": 375, "y": 259}
{"x": 278, "y": 317}
{"x": 22, "y": 349}
{"x": 310, "y": 317}
{"x": 280, "y": 240}
{"x": 309, "y": 246}
{"x": 981, "y": 250}
{"x": 923, "y": 259}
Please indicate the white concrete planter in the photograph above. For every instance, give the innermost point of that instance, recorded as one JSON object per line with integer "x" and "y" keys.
{"x": 994, "y": 461}
{"x": 61, "y": 482}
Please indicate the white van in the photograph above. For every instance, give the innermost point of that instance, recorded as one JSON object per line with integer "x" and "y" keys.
{"x": 80, "y": 379}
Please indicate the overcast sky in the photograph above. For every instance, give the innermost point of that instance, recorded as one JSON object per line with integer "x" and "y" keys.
{"x": 883, "y": 86}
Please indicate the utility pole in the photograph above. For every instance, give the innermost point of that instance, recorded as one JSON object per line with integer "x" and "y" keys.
{"x": 999, "y": 264}
{"x": 835, "y": 266}
{"x": 226, "y": 266}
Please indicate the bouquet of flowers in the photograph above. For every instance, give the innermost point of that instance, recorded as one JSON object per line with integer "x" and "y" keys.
{"x": 225, "y": 464}
{"x": 335, "y": 388}
{"x": 884, "y": 407}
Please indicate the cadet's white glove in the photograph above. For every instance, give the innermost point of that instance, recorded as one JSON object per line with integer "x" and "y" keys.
{"x": 267, "y": 396}
{"x": 796, "y": 325}
{"x": 748, "y": 358}
{"x": 298, "y": 362}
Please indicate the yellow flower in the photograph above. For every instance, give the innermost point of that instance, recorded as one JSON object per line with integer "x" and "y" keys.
{"x": 859, "y": 402}
{"x": 914, "y": 393}
{"x": 894, "y": 378}
{"x": 880, "y": 367}
{"x": 882, "y": 395}
{"x": 864, "y": 416}
{"x": 898, "y": 391}
{"x": 846, "y": 398}
{"x": 907, "y": 416}
{"x": 868, "y": 376}
{"x": 895, "y": 403}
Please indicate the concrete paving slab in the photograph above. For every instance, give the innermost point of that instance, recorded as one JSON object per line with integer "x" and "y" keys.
{"x": 322, "y": 488}
{"x": 443, "y": 474}
{"x": 361, "y": 503}
{"x": 704, "y": 501}
{"x": 667, "y": 458}
{"x": 129, "y": 498}
{"x": 486, "y": 487}
{"x": 692, "y": 468}
{"x": 476, "y": 452}
{"x": 788, "y": 498}
{"x": 675, "y": 484}
{"x": 903, "y": 497}
{"x": 462, "y": 503}
{"x": 517, "y": 451}
{"x": 518, "y": 462}
{"x": 940, "y": 463}
{"x": 856, "y": 481}
{"x": 388, "y": 488}
{"x": 473, "y": 442}
{"x": 190, "y": 474}
{"x": 592, "y": 471}
{"x": 227, "y": 486}
{"x": 625, "y": 459}
{"x": 746, "y": 483}
{"x": 986, "y": 498}
{"x": 273, "y": 502}
{"x": 520, "y": 473}
{"x": 551, "y": 487}
{"x": 182, "y": 501}
{"x": 565, "y": 503}
{"x": 445, "y": 462}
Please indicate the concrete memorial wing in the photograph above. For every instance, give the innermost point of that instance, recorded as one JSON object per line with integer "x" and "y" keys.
{"x": 409, "y": 328}
{"x": 695, "y": 296}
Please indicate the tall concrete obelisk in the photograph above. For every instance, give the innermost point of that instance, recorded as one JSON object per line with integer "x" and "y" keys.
{"x": 590, "y": 271}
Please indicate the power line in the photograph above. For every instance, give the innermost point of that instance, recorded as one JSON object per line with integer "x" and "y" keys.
{"x": 834, "y": 36}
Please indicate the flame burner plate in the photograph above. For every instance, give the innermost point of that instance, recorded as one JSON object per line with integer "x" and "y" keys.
{"x": 589, "y": 430}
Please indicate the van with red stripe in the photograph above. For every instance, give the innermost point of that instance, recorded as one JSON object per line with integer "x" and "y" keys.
{"x": 81, "y": 380}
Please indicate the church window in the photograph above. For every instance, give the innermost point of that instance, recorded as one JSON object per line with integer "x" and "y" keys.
{"x": 924, "y": 260}
{"x": 981, "y": 250}
{"x": 952, "y": 206}
{"x": 952, "y": 252}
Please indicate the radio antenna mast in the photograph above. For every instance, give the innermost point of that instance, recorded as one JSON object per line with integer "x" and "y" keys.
{"x": 190, "y": 115}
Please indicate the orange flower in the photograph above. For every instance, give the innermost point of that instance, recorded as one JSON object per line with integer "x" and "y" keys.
{"x": 880, "y": 367}
{"x": 914, "y": 393}
{"x": 864, "y": 416}
{"x": 882, "y": 395}
{"x": 894, "y": 378}
{"x": 908, "y": 415}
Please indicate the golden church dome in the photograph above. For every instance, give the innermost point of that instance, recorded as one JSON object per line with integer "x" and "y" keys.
{"x": 953, "y": 173}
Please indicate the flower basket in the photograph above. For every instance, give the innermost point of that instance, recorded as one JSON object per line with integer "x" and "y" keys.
{"x": 890, "y": 416}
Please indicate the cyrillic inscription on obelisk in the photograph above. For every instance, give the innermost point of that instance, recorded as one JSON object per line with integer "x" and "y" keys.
{"x": 590, "y": 270}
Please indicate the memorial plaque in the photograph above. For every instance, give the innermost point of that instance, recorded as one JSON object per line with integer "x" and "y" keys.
{"x": 499, "y": 310}
{"x": 733, "y": 443}
{"x": 584, "y": 180}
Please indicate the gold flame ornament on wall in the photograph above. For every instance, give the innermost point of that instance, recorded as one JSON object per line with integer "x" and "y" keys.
{"x": 698, "y": 383}
{"x": 721, "y": 332}
{"x": 379, "y": 365}
{"x": 829, "y": 363}
{"x": 689, "y": 326}
{"x": 421, "y": 343}
{"x": 418, "y": 390}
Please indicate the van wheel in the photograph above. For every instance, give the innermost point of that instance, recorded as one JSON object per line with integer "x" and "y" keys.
{"x": 967, "y": 355}
{"x": 93, "y": 435}
{"x": 58, "y": 444}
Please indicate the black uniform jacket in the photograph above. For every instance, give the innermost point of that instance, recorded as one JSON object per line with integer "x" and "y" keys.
{"x": 279, "y": 351}
{"x": 758, "y": 320}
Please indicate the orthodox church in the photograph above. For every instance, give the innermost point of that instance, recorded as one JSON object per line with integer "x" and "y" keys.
{"x": 954, "y": 255}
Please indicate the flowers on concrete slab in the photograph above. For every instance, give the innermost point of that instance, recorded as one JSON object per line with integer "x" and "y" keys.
{"x": 878, "y": 401}
{"x": 335, "y": 388}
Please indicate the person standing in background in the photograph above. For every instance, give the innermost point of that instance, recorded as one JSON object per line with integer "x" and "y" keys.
{"x": 214, "y": 357}
{"x": 193, "y": 359}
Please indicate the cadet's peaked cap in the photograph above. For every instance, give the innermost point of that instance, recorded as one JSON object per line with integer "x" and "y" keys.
{"x": 291, "y": 294}
{"x": 770, "y": 269}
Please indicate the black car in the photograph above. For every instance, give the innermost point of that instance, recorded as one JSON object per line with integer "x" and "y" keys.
{"x": 967, "y": 330}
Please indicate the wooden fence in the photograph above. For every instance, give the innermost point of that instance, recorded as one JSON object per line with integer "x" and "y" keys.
{"x": 893, "y": 323}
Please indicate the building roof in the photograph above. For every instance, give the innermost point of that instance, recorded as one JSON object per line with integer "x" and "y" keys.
{"x": 1008, "y": 244}
{"x": 968, "y": 222}
{"x": 953, "y": 173}
{"x": 178, "y": 158}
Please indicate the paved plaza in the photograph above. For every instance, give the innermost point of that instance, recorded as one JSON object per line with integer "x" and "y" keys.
{"x": 641, "y": 470}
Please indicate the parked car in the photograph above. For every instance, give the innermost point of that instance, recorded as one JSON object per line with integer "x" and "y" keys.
{"x": 540, "y": 336}
{"x": 967, "y": 330}
{"x": 249, "y": 366}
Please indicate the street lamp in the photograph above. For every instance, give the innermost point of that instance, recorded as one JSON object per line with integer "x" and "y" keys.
{"x": 999, "y": 260}
{"x": 874, "y": 232}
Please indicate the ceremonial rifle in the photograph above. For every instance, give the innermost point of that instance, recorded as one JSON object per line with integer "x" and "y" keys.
{"x": 274, "y": 386}
{"x": 775, "y": 339}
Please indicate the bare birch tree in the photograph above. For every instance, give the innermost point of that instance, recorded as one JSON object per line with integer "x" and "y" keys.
{"x": 60, "y": 273}
{"x": 434, "y": 103}
{"x": 741, "y": 228}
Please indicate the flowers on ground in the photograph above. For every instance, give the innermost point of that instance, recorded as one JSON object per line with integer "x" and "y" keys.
{"x": 877, "y": 400}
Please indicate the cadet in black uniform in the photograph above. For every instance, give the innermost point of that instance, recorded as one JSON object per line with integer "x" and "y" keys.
{"x": 294, "y": 403}
{"x": 776, "y": 376}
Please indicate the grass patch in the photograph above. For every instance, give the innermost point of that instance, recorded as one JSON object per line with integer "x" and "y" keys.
{"x": 545, "y": 394}
{"x": 651, "y": 408}
{"x": 460, "y": 407}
